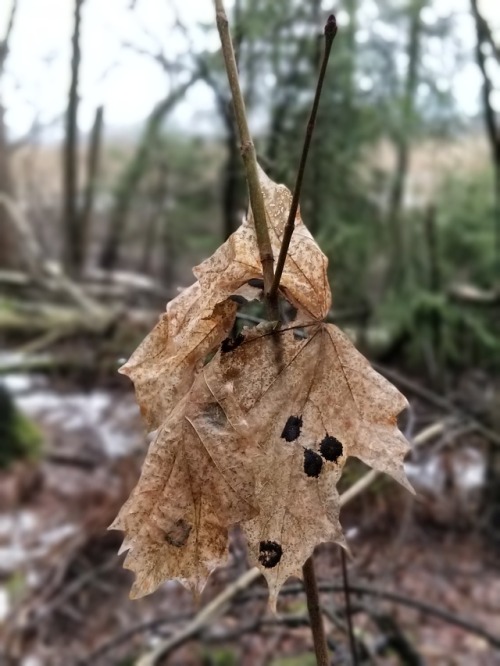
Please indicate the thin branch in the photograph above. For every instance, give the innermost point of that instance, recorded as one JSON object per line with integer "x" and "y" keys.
{"x": 249, "y": 159}
{"x": 330, "y": 32}
{"x": 212, "y": 611}
{"x": 404, "y": 600}
{"x": 290, "y": 590}
{"x": 5, "y": 42}
{"x": 348, "y": 610}
{"x": 314, "y": 609}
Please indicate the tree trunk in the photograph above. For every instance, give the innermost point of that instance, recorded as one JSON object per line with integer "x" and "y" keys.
{"x": 10, "y": 256}
{"x": 232, "y": 180}
{"x": 403, "y": 137}
{"x": 484, "y": 36}
{"x": 131, "y": 177}
{"x": 157, "y": 197}
{"x": 491, "y": 498}
{"x": 94, "y": 153}
{"x": 72, "y": 232}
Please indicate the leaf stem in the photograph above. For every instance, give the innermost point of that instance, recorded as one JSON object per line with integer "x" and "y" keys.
{"x": 314, "y": 609}
{"x": 249, "y": 160}
{"x": 348, "y": 610}
{"x": 330, "y": 32}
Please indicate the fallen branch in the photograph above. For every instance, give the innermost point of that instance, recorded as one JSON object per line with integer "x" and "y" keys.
{"x": 44, "y": 273}
{"x": 211, "y": 612}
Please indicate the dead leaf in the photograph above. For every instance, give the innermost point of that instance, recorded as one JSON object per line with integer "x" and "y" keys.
{"x": 196, "y": 481}
{"x": 304, "y": 280}
{"x": 164, "y": 365}
{"x": 310, "y": 403}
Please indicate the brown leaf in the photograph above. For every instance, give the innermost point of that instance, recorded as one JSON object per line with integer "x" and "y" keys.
{"x": 310, "y": 403}
{"x": 196, "y": 481}
{"x": 164, "y": 365}
{"x": 304, "y": 279}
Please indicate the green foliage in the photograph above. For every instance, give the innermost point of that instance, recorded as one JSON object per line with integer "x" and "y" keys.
{"x": 300, "y": 660}
{"x": 19, "y": 437}
{"x": 219, "y": 657}
{"x": 467, "y": 227}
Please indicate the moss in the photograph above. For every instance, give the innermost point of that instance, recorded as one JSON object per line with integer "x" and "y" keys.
{"x": 20, "y": 439}
{"x": 299, "y": 660}
{"x": 220, "y": 657}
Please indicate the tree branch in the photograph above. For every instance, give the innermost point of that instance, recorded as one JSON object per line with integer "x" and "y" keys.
{"x": 4, "y": 43}
{"x": 330, "y": 32}
{"x": 249, "y": 159}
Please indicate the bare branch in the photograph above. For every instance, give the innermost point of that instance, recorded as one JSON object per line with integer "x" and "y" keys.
{"x": 4, "y": 44}
{"x": 249, "y": 158}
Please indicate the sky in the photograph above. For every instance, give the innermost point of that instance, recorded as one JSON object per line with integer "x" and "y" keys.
{"x": 127, "y": 83}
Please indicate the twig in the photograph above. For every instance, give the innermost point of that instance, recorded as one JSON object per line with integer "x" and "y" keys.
{"x": 249, "y": 159}
{"x": 437, "y": 400}
{"x": 330, "y": 32}
{"x": 348, "y": 611}
{"x": 410, "y": 602}
{"x": 204, "y": 617}
{"x": 314, "y": 608}
{"x": 289, "y": 590}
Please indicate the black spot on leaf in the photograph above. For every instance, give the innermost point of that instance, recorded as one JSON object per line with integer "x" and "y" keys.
{"x": 258, "y": 283}
{"x": 178, "y": 534}
{"x": 291, "y": 431}
{"x": 270, "y": 553}
{"x": 330, "y": 448}
{"x": 230, "y": 344}
{"x": 313, "y": 463}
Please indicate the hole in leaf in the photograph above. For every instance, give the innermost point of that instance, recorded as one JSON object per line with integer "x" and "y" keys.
{"x": 313, "y": 463}
{"x": 270, "y": 553}
{"x": 236, "y": 298}
{"x": 291, "y": 431}
{"x": 258, "y": 283}
{"x": 230, "y": 344}
{"x": 331, "y": 449}
{"x": 178, "y": 534}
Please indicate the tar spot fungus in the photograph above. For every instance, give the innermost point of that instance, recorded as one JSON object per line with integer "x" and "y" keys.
{"x": 270, "y": 553}
{"x": 291, "y": 431}
{"x": 178, "y": 534}
{"x": 313, "y": 463}
{"x": 230, "y": 344}
{"x": 331, "y": 448}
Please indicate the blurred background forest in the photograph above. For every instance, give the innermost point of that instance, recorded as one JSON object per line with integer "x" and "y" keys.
{"x": 120, "y": 170}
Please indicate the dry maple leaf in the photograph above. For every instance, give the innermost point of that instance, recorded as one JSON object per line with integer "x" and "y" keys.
{"x": 310, "y": 404}
{"x": 304, "y": 280}
{"x": 196, "y": 481}
{"x": 164, "y": 365}
{"x": 260, "y": 434}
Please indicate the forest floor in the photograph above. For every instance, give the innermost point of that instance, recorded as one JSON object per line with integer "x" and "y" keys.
{"x": 64, "y": 595}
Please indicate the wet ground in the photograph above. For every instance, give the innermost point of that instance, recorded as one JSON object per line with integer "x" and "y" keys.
{"x": 63, "y": 593}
